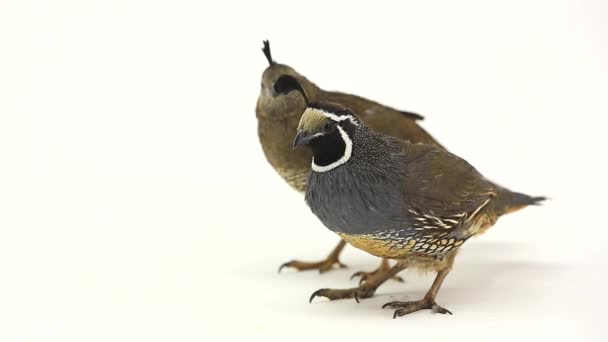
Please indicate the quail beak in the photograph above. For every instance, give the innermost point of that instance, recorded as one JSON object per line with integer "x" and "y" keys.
{"x": 302, "y": 138}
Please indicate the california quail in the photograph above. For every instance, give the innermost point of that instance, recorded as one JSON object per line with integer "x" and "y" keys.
{"x": 282, "y": 101}
{"x": 412, "y": 202}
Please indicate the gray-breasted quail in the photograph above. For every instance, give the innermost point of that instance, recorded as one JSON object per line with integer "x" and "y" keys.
{"x": 283, "y": 98}
{"x": 415, "y": 203}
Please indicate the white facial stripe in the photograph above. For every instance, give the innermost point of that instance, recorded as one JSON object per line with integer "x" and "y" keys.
{"x": 339, "y": 118}
{"x": 347, "y": 152}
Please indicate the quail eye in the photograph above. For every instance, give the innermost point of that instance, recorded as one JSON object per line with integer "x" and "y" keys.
{"x": 328, "y": 127}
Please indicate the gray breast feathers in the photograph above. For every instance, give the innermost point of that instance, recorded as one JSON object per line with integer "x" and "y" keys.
{"x": 354, "y": 201}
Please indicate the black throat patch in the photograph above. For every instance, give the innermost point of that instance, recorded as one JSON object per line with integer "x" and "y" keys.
{"x": 328, "y": 149}
{"x": 286, "y": 84}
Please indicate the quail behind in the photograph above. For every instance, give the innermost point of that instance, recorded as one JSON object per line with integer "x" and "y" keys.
{"x": 415, "y": 203}
{"x": 283, "y": 98}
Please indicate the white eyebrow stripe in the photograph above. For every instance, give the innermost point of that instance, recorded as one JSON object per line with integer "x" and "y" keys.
{"x": 339, "y": 118}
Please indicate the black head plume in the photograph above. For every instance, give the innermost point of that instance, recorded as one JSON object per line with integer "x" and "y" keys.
{"x": 266, "y": 50}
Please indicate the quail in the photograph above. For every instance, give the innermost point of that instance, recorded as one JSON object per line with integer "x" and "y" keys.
{"x": 283, "y": 98}
{"x": 415, "y": 203}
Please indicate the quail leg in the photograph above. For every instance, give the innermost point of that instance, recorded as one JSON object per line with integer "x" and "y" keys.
{"x": 366, "y": 276}
{"x": 365, "y": 290}
{"x": 426, "y": 303}
{"x": 323, "y": 266}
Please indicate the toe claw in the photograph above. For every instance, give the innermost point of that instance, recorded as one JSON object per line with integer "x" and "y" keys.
{"x": 388, "y": 305}
{"x": 314, "y": 294}
{"x": 438, "y": 309}
{"x": 284, "y": 265}
{"x": 357, "y": 297}
{"x": 356, "y": 274}
{"x": 399, "y": 279}
{"x": 404, "y": 308}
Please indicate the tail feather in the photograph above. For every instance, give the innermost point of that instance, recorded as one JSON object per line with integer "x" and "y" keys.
{"x": 515, "y": 201}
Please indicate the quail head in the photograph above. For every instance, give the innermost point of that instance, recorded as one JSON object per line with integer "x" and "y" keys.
{"x": 415, "y": 203}
{"x": 283, "y": 98}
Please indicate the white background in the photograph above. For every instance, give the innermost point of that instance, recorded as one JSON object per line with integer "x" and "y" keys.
{"x": 136, "y": 204}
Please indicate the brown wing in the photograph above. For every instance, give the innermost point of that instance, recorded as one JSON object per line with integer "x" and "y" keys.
{"x": 442, "y": 184}
{"x": 383, "y": 119}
